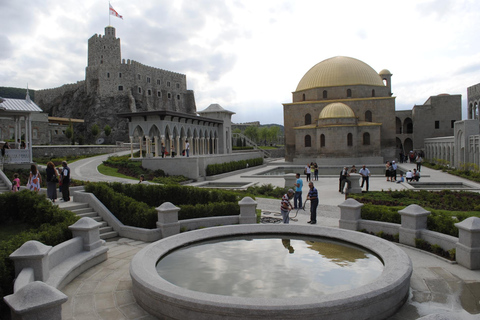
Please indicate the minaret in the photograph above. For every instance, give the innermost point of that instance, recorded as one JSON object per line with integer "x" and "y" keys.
{"x": 387, "y": 77}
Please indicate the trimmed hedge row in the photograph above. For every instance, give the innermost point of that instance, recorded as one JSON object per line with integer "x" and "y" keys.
{"x": 49, "y": 225}
{"x": 436, "y": 221}
{"x": 213, "y": 169}
{"x": 134, "y": 204}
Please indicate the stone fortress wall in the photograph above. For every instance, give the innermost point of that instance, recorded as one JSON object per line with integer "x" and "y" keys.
{"x": 48, "y": 95}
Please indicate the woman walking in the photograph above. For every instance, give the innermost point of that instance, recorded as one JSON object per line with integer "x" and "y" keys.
{"x": 52, "y": 179}
{"x": 35, "y": 179}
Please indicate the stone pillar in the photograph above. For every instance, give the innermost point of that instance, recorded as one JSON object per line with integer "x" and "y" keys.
{"x": 467, "y": 250}
{"x": 290, "y": 180}
{"x": 177, "y": 146}
{"x": 36, "y": 300}
{"x": 140, "y": 139}
{"x": 248, "y": 214}
{"x": 148, "y": 147}
{"x": 89, "y": 230}
{"x": 168, "y": 219}
{"x": 350, "y": 214}
{"x": 354, "y": 183}
{"x": 156, "y": 146}
{"x": 131, "y": 147}
{"x": 414, "y": 219}
{"x": 32, "y": 254}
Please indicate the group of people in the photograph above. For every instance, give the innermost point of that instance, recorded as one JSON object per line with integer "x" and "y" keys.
{"x": 286, "y": 205}
{"x": 54, "y": 176}
{"x": 412, "y": 176}
{"x": 391, "y": 171}
{"x": 310, "y": 169}
{"x": 185, "y": 152}
{"x": 345, "y": 174}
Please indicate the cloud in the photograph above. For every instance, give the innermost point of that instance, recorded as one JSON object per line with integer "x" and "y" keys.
{"x": 6, "y": 49}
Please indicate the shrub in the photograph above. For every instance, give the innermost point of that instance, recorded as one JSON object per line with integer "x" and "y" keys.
{"x": 49, "y": 225}
{"x": 218, "y": 168}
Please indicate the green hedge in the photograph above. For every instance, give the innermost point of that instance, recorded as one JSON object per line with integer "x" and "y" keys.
{"x": 134, "y": 204}
{"x": 49, "y": 225}
{"x": 437, "y": 221}
{"x": 213, "y": 169}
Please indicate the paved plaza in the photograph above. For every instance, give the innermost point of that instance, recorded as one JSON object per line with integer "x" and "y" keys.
{"x": 437, "y": 285}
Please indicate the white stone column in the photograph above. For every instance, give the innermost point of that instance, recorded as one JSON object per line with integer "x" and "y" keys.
{"x": 156, "y": 146}
{"x": 177, "y": 146}
{"x": 131, "y": 147}
{"x": 147, "y": 146}
{"x": 140, "y": 139}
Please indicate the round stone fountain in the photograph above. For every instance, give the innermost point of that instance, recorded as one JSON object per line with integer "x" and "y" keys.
{"x": 376, "y": 299}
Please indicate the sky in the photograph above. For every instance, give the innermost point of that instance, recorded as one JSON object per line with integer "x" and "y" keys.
{"x": 249, "y": 55}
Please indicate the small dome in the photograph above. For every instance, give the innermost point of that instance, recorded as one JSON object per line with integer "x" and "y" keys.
{"x": 339, "y": 71}
{"x": 336, "y": 110}
{"x": 384, "y": 71}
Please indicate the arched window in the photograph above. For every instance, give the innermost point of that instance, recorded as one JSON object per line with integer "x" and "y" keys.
{"x": 349, "y": 93}
{"x": 303, "y": 97}
{"x": 308, "y": 119}
{"x": 373, "y": 92}
{"x": 325, "y": 94}
{"x": 368, "y": 116}
{"x": 366, "y": 139}
{"x": 349, "y": 139}
{"x": 308, "y": 141}
{"x": 322, "y": 140}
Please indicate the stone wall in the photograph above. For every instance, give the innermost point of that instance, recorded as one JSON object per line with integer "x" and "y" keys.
{"x": 63, "y": 151}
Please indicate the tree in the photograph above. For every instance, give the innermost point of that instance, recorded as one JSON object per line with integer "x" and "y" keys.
{"x": 107, "y": 130}
{"x": 251, "y": 132}
{"x": 95, "y": 130}
{"x": 69, "y": 132}
{"x": 273, "y": 133}
{"x": 263, "y": 135}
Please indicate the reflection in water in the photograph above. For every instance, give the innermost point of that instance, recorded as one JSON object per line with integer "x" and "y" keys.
{"x": 287, "y": 245}
{"x": 261, "y": 267}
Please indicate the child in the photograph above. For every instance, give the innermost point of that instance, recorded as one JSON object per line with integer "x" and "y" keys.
{"x": 401, "y": 179}
{"x": 15, "y": 183}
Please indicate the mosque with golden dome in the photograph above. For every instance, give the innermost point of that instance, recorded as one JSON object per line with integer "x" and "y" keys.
{"x": 344, "y": 111}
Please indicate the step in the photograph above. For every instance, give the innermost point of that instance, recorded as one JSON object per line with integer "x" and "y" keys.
{"x": 105, "y": 229}
{"x": 108, "y": 235}
{"x": 91, "y": 214}
{"x": 82, "y": 210}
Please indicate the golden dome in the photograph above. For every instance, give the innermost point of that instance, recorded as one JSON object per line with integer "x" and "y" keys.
{"x": 339, "y": 71}
{"x": 336, "y": 110}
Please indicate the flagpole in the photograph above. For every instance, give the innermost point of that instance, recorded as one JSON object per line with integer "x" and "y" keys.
{"x": 109, "y": 13}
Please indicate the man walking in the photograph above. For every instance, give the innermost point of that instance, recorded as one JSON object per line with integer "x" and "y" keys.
{"x": 298, "y": 192}
{"x": 365, "y": 176}
{"x": 313, "y": 197}
{"x": 344, "y": 179}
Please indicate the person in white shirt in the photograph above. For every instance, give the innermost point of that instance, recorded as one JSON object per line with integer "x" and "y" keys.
{"x": 187, "y": 148}
{"x": 409, "y": 176}
{"x": 365, "y": 173}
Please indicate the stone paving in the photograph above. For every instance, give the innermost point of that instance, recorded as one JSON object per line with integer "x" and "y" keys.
{"x": 437, "y": 285}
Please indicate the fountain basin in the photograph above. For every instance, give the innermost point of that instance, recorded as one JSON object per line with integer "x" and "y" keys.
{"x": 377, "y": 300}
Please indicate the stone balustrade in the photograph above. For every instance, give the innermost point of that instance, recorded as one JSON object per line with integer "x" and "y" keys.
{"x": 41, "y": 271}
{"x": 414, "y": 226}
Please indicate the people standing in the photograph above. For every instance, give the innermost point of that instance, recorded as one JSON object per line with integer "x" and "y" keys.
{"x": 298, "y": 192}
{"x": 388, "y": 168}
{"x": 172, "y": 151}
{"x": 353, "y": 169}
{"x": 35, "y": 179}
{"x": 52, "y": 179}
{"x": 5, "y": 147}
{"x": 344, "y": 179}
{"x": 394, "y": 171}
{"x": 315, "y": 171}
{"x": 308, "y": 172}
{"x": 65, "y": 182}
{"x": 313, "y": 197}
{"x": 286, "y": 206}
{"x": 163, "y": 150}
{"x": 419, "y": 161}
{"x": 187, "y": 147}
{"x": 365, "y": 173}
{"x": 15, "y": 183}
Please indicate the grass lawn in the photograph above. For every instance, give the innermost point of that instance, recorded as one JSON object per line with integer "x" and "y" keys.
{"x": 109, "y": 171}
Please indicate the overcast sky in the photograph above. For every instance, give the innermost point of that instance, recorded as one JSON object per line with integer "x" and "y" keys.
{"x": 249, "y": 55}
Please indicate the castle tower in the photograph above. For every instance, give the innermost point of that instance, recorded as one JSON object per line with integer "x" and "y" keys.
{"x": 104, "y": 50}
{"x": 104, "y": 56}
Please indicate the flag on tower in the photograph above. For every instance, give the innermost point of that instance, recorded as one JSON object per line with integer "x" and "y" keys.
{"x": 114, "y": 13}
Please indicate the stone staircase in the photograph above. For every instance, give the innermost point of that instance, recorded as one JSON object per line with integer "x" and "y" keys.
{"x": 84, "y": 210}
{"x": 4, "y": 187}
